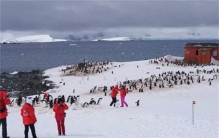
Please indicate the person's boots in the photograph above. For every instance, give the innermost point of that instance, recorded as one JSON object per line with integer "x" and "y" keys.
{"x": 64, "y": 134}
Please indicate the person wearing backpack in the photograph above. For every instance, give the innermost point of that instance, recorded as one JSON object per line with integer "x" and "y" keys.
{"x": 113, "y": 95}
{"x": 29, "y": 118}
{"x": 4, "y": 100}
{"x": 59, "y": 109}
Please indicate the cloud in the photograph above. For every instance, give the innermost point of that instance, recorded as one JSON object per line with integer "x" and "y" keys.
{"x": 81, "y": 16}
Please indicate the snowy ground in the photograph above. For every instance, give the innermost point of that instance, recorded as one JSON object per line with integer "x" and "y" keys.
{"x": 163, "y": 113}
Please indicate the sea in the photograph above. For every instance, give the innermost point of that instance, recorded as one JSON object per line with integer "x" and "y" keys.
{"x": 28, "y": 56}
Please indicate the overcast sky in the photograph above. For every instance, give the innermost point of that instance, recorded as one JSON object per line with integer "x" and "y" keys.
{"x": 81, "y": 16}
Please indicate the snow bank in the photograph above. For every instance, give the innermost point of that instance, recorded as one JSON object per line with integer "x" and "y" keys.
{"x": 214, "y": 61}
{"x": 173, "y": 58}
{"x": 114, "y": 39}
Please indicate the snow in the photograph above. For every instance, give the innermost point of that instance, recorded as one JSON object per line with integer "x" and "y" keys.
{"x": 114, "y": 39}
{"x": 214, "y": 61}
{"x": 35, "y": 38}
{"x": 14, "y": 73}
{"x": 7, "y": 38}
{"x": 163, "y": 113}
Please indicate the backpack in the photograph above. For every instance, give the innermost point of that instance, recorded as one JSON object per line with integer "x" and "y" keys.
{"x": 2, "y": 106}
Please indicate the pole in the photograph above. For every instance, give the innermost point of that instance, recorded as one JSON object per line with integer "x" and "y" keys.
{"x": 193, "y": 114}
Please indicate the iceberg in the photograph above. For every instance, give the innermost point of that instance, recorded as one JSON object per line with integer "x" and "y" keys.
{"x": 114, "y": 39}
{"x": 7, "y": 38}
{"x": 35, "y": 38}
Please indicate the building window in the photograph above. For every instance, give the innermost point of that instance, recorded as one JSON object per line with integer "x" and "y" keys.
{"x": 214, "y": 53}
{"x": 196, "y": 52}
{"x": 203, "y": 52}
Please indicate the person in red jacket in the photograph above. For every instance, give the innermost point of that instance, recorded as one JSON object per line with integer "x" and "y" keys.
{"x": 45, "y": 96}
{"x": 123, "y": 92}
{"x": 59, "y": 109}
{"x": 113, "y": 95}
{"x": 29, "y": 118}
{"x": 4, "y": 100}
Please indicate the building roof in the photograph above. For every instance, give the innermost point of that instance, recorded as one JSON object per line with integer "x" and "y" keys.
{"x": 203, "y": 44}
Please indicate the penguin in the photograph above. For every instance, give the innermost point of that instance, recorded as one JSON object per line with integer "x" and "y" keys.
{"x": 159, "y": 85}
{"x": 99, "y": 101}
{"x": 137, "y": 102}
{"x": 33, "y": 102}
{"x": 63, "y": 97}
{"x": 72, "y": 100}
{"x": 92, "y": 101}
{"x": 68, "y": 98}
{"x": 150, "y": 87}
{"x": 11, "y": 103}
{"x": 51, "y": 104}
{"x": 85, "y": 105}
{"x": 77, "y": 100}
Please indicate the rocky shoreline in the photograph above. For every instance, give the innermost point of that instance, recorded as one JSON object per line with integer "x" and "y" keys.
{"x": 25, "y": 83}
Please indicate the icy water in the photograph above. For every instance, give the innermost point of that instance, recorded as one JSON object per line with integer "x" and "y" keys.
{"x": 25, "y": 57}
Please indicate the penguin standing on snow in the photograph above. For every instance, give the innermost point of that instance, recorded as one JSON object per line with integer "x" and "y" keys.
{"x": 51, "y": 104}
{"x": 137, "y": 102}
{"x": 99, "y": 101}
{"x": 85, "y": 105}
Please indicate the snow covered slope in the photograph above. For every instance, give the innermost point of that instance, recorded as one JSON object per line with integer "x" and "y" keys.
{"x": 163, "y": 113}
{"x": 114, "y": 39}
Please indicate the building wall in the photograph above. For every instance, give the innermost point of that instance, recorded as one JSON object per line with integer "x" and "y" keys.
{"x": 190, "y": 54}
{"x": 204, "y": 56}
{"x": 216, "y": 57}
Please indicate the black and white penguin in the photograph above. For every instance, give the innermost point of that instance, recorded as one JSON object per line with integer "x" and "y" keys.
{"x": 85, "y": 105}
{"x": 63, "y": 97}
{"x": 92, "y": 101}
{"x": 68, "y": 99}
{"x": 11, "y": 103}
{"x": 137, "y": 102}
{"x": 99, "y": 101}
{"x": 51, "y": 104}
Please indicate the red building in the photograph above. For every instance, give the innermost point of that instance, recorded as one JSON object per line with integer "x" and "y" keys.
{"x": 201, "y": 52}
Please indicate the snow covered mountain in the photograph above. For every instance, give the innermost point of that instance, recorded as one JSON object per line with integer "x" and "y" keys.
{"x": 114, "y": 39}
